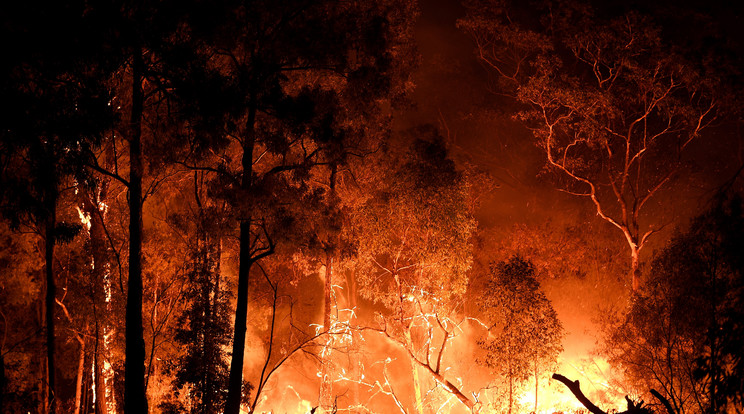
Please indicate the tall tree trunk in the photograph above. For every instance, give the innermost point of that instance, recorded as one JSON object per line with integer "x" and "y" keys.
{"x": 232, "y": 405}
{"x": 325, "y": 399}
{"x": 101, "y": 407}
{"x": 635, "y": 268}
{"x": 326, "y": 385}
{"x": 2, "y": 378}
{"x": 416, "y": 381}
{"x": 92, "y": 202}
{"x": 43, "y": 375}
{"x": 80, "y": 375}
{"x": 135, "y": 399}
{"x": 537, "y": 382}
{"x": 235, "y": 383}
{"x": 206, "y": 260}
{"x": 511, "y": 387}
{"x": 51, "y": 292}
{"x": 409, "y": 345}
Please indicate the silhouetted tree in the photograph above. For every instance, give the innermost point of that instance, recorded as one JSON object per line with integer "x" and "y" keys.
{"x": 204, "y": 325}
{"x": 683, "y": 334}
{"x": 284, "y": 72}
{"x": 525, "y": 334}
{"x": 53, "y": 110}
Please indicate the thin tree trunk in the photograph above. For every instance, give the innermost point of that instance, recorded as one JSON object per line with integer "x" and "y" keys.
{"x": 80, "y": 374}
{"x": 326, "y": 385}
{"x": 635, "y": 268}
{"x": 511, "y": 389}
{"x": 235, "y": 383}
{"x": 2, "y": 378}
{"x": 51, "y": 223}
{"x": 92, "y": 206}
{"x": 135, "y": 398}
{"x": 536, "y": 385}
{"x": 44, "y": 388}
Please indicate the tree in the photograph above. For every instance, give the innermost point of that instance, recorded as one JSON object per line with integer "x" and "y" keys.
{"x": 525, "y": 334}
{"x": 414, "y": 240}
{"x": 143, "y": 44}
{"x": 22, "y": 325}
{"x": 281, "y": 71}
{"x": 53, "y": 111}
{"x": 683, "y": 334}
{"x": 613, "y": 103}
{"x": 204, "y": 325}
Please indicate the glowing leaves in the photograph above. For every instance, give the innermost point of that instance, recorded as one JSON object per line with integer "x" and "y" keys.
{"x": 414, "y": 251}
{"x": 416, "y": 230}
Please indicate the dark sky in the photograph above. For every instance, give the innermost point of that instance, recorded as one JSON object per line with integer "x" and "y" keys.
{"x": 452, "y": 92}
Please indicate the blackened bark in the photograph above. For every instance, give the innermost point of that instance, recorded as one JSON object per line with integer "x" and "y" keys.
{"x": 326, "y": 385}
{"x": 325, "y": 399}
{"x": 100, "y": 260}
{"x": 51, "y": 292}
{"x": 99, "y": 249}
{"x": 663, "y": 401}
{"x": 235, "y": 382}
{"x": 135, "y": 399}
{"x": 575, "y": 389}
{"x": 2, "y": 379}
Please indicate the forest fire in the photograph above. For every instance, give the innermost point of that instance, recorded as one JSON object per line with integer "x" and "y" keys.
{"x": 390, "y": 206}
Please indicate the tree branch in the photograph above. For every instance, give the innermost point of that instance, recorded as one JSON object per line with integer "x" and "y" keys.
{"x": 663, "y": 400}
{"x": 575, "y": 389}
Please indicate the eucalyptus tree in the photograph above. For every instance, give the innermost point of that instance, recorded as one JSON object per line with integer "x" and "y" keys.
{"x": 614, "y": 102}
{"x": 415, "y": 248}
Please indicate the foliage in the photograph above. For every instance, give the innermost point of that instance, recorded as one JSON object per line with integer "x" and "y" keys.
{"x": 204, "y": 331}
{"x": 524, "y": 336}
{"x": 417, "y": 228}
{"x": 683, "y": 335}
{"x": 415, "y": 247}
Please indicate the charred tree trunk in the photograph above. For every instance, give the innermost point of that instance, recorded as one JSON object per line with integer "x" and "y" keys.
{"x": 326, "y": 385}
{"x": 80, "y": 374}
{"x": 92, "y": 203}
{"x": 235, "y": 382}
{"x": 635, "y": 268}
{"x": 51, "y": 292}
{"x": 204, "y": 260}
{"x": 633, "y": 407}
{"x": 2, "y": 379}
{"x": 135, "y": 399}
{"x": 575, "y": 389}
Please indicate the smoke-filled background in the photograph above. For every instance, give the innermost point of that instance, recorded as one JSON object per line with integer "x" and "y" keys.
{"x": 414, "y": 208}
